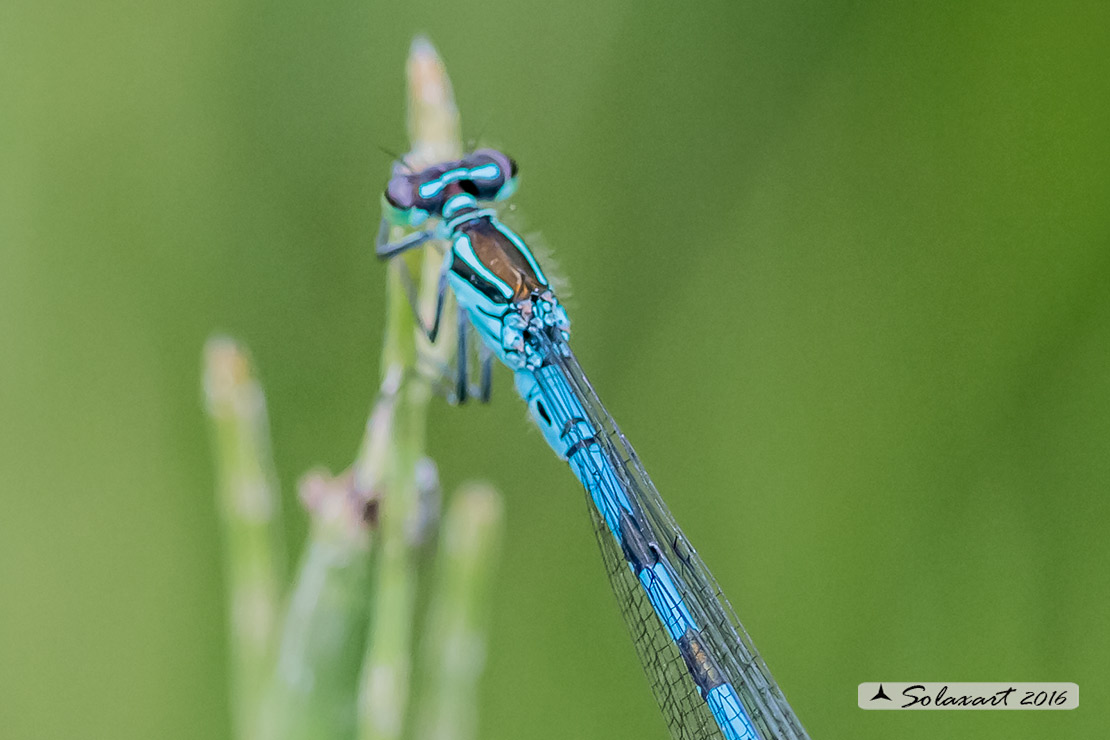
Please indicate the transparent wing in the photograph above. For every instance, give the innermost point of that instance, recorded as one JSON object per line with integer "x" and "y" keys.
{"x": 725, "y": 637}
{"x": 686, "y": 713}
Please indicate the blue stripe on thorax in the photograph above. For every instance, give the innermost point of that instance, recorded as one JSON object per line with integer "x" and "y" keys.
{"x": 465, "y": 250}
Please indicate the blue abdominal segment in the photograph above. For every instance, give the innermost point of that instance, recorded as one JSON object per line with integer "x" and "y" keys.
{"x": 725, "y": 705}
{"x": 566, "y": 427}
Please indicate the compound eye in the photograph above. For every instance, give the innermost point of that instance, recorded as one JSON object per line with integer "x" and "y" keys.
{"x": 500, "y": 170}
{"x": 401, "y": 201}
{"x": 400, "y": 192}
{"x": 510, "y": 184}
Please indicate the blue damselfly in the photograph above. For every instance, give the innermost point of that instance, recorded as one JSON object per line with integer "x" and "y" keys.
{"x": 704, "y": 671}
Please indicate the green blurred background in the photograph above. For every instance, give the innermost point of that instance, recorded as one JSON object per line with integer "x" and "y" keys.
{"x": 842, "y": 271}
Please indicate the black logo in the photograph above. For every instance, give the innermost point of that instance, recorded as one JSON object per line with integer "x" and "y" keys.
{"x": 881, "y": 695}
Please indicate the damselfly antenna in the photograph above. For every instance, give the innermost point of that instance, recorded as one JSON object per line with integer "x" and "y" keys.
{"x": 396, "y": 158}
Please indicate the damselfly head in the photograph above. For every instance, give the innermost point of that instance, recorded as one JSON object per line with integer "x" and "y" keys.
{"x": 412, "y": 197}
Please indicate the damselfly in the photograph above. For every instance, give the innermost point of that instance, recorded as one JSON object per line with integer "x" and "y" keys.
{"x": 704, "y": 671}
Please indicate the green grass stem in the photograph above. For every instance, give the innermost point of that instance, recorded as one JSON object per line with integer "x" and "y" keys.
{"x": 387, "y": 669}
{"x": 338, "y": 662}
{"x": 250, "y": 515}
{"x": 454, "y": 645}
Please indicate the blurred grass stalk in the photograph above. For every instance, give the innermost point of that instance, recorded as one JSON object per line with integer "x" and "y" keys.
{"x": 250, "y": 512}
{"x": 340, "y": 666}
{"x": 434, "y": 136}
{"x": 454, "y": 644}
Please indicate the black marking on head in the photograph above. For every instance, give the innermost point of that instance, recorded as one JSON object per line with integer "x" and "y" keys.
{"x": 488, "y": 189}
{"x": 403, "y": 190}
